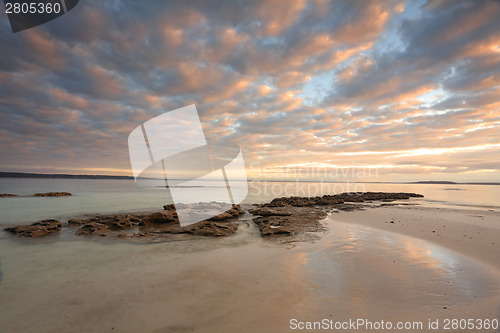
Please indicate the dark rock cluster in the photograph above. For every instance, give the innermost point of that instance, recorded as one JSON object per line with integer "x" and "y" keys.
{"x": 37, "y": 229}
{"x": 167, "y": 221}
{"x": 288, "y": 220}
{"x": 296, "y": 215}
{"x": 329, "y": 200}
{"x": 287, "y": 216}
{"x": 137, "y": 225}
{"x": 53, "y": 194}
{"x": 44, "y": 194}
{"x": 102, "y": 224}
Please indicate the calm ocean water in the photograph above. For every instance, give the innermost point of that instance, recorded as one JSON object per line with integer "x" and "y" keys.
{"x": 92, "y": 196}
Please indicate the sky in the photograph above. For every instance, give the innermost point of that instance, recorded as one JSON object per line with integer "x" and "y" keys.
{"x": 402, "y": 91}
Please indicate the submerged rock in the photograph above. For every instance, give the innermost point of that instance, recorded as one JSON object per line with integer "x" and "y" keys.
{"x": 93, "y": 229}
{"x": 53, "y": 194}
{"x": 37, "y": 229}
{"x": 113, "y": 222}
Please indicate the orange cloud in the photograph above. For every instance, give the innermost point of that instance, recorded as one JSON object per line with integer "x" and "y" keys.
{"x": 45, "y": 48}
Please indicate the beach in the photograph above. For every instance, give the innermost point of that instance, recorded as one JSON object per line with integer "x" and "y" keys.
{"x": 360, "y": 268}
{"x": 473, "y": 233}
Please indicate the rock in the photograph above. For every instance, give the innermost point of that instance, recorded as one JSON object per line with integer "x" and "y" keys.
{"x": 270, "y": 212}
{"x": 222, "y": 217}
{"x": 93, "y": 229}
{"x": 290, "y": 221}
{"x": 215, "y": 229}
{"x": 269, "y": 230}
{"x": 155, "y": 224}
{"x": 328, "y": 200}
{"x": 169, "y": 207}
{"x": 37, "y": 229}
{"x": 168, "y": 222}
{"x": 348, "y": 207}
{"x": 118, "y": 223}
{"x": 276, "y": 203}
{"x": 113, "y": 222}
{"x": 161, "y": 218}
{"x": 289, "y": 217}
{"x": 235, "y": 211}
{"x": 336, "y": 199}
{"x": 73, "y": 222}
{"x": 382, "y": 196}
{"x": 351, "y": 197}
{"x": 2, "y": 195}
{"x": 53, "y": 194}
{"x": 291, "y": 201}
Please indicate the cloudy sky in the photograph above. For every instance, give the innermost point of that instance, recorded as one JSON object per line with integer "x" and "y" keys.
{"x": 409, "y": 89}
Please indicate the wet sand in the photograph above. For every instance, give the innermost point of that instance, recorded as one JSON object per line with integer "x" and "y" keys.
{"x": 244, "y": 283}
{"x": 474, "y": 233}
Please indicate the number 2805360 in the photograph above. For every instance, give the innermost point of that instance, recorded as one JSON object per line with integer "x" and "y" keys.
{"x": 33, "y": 8}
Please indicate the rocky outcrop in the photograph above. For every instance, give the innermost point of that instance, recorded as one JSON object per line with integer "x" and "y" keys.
{"x": 46, "y": 194}
{"x": 288, "y": 220}
{"x": 209, "y": 228}
{"x": 164, "y": 222}
{"x": 168, "y": 222}
{"x": 113, "y": 222}
{"x": 270, "y": 212}
{"x": 93, "y": 229}
{"x": 336, "y": 199}
{"x": 288, "y": 217}
{"x": 292, "y": 216}
{"x": 235, "y": 211}
{"x": 38, "y": 229}
{"x": 53, "y": 194}
{"x": 160, "y": 221}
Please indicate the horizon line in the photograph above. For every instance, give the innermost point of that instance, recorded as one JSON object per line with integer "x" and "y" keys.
{"x": 13, "y": 174}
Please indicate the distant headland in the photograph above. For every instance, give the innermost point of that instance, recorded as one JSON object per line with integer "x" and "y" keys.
{"x": 58, "y": 175}
{"x": 70, "y": 176}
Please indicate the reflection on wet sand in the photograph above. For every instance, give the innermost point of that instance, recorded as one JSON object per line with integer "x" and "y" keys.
{"x": 367, "y": 272}
{"x": 241, "y": 283}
